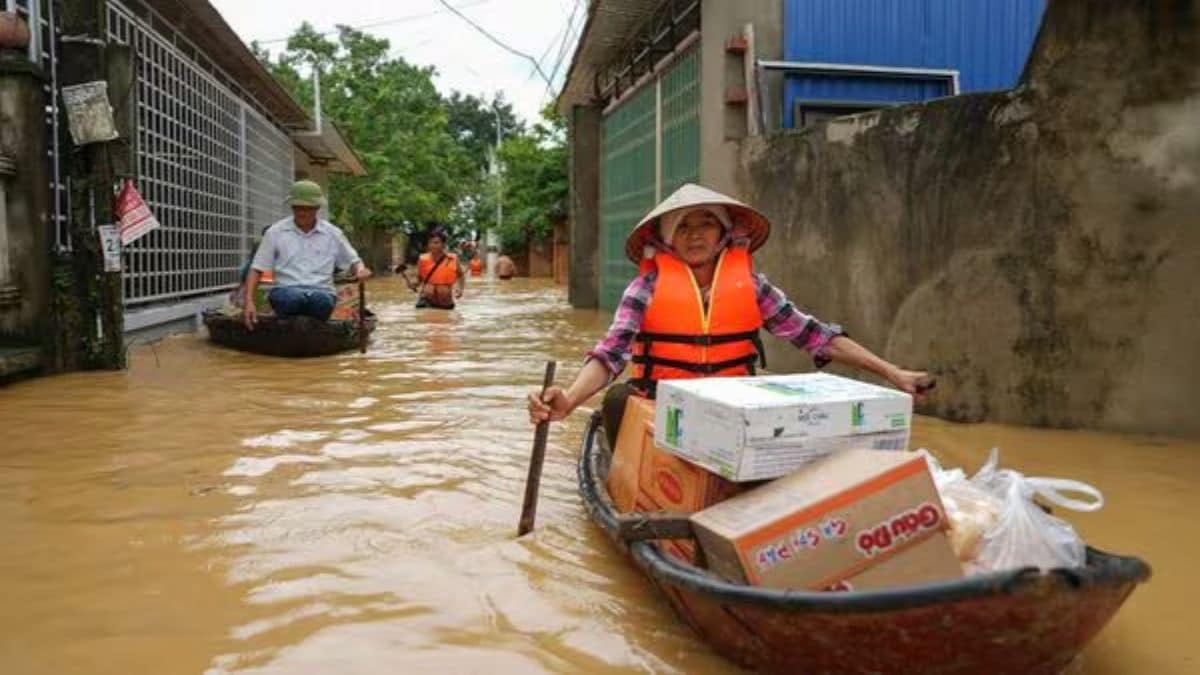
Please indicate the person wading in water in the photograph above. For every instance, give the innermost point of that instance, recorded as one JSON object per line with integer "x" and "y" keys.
{"x": 440, "y": 276}
{"x": 695, "y": 310}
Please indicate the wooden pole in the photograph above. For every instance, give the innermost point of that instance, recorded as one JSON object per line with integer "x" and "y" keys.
{"x": 536, "y": 459}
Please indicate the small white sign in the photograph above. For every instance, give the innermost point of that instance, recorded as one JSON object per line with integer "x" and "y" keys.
{"x": 110, "y": 245}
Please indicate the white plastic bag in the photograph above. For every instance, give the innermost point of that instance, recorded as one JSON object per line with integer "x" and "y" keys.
{"x": 970, "y": 509}
{"x": 1024, "y": 535}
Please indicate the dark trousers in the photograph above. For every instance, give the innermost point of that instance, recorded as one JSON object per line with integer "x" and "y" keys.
{"x": 302, "y": 301}
{"x": 428, "y": 303}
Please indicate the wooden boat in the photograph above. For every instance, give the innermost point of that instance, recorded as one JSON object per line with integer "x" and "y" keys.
{"x": 293, "y": 337}
{"x": 1020, "y": 621}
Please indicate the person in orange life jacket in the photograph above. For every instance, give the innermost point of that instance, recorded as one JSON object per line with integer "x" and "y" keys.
{"x": 695, "y": 308}
{"x": 440, "y": 276}
{"x": 470, "y": 252}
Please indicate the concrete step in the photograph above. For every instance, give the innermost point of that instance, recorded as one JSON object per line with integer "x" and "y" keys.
{"x": 14, "y": 360}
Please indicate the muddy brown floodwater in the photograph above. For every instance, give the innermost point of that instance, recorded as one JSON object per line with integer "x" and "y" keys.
{"x": 210, "y": 511}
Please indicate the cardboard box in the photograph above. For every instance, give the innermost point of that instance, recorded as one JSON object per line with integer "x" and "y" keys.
{"x": 755, "y": 428}
{"x": 854, "y": 520}
{"x": 643, "y": 477}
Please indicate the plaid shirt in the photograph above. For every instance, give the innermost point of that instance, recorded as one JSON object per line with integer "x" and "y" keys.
{"x": 780, "y": 317}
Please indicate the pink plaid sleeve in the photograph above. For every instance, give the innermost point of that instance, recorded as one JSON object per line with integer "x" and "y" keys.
{"x": 615, "y": 349}
{"x": 783, "y": 320}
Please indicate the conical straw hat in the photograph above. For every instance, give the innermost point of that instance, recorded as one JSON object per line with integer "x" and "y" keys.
{"x": 748, "y": 223}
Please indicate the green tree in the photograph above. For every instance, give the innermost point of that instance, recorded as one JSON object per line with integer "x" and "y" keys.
{"x": 394, "y": 118}
{"x": 534, "y": 181}
{"x": 473, "y": 124}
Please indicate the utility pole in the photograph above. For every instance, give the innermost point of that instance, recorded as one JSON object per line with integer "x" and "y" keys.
{"x": 493, "y": 238}
{"x": 92, "y": 336}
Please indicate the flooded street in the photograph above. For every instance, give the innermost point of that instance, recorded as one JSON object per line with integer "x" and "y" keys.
{"x": 212, "y": 511}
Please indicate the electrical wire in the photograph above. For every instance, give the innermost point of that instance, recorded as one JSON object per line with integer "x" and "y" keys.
{"x": 499, "y": 43}
{"x": 386, "y": 22}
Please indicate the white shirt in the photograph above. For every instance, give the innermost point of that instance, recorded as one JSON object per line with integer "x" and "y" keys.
{"x": 301, "y": 258}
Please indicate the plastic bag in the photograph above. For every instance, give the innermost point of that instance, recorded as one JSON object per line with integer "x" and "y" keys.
{"x": 1024, "y": 535}
{"x": 970, "y": 509}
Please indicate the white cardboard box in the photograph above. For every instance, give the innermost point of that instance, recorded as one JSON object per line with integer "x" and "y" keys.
{"x": 755, "y": 428}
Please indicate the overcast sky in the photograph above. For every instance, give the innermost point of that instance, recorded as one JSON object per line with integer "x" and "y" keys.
{"x": 426, "y": 33}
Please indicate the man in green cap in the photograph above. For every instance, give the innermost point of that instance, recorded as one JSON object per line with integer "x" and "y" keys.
{"x": 303, "y": 251}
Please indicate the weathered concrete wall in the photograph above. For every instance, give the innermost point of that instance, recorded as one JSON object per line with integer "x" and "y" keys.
{"x": 22, "y": 140}
{"x": 723, "y": 125}
{"x": 1039, "y": 248}
{"x": 583, "y": 165}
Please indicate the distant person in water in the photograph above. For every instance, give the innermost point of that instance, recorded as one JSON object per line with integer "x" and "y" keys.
{"x": 441, "y": 278}
{"x": 505, "y": 267}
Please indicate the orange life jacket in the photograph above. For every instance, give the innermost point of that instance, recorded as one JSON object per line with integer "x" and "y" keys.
{"x": 476, "y": 267}
{"x": 679, "y": 339}
{"x": 445, "y": 274}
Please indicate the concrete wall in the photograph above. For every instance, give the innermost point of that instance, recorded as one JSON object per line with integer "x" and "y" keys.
{"x": 539, "y": 259}
{"x": 722, "y": 125}
{"x": 1038, "y": 248}
{"x": 23, "y": 311}
{"x": 583, "y": 166}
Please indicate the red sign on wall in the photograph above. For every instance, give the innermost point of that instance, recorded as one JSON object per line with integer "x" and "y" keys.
{"x": 133, "y": 214}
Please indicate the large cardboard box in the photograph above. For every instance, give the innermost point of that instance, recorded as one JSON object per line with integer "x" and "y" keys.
{"x": 643, "y": 477}
{"x": 755, "y": 428}
{"x": 857, "y": 519}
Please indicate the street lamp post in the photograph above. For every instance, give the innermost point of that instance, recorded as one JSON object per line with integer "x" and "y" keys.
{"x": 493, "y": 238}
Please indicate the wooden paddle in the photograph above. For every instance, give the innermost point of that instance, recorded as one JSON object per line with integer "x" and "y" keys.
{"x": 362, "y": 317}
{"x": 536, "y": 458}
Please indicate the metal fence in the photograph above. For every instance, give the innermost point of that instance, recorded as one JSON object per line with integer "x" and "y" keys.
{"x": 213, "y": 168}
{"x": 680, "y": 103}
{"x": 650, "y": 145}
{"x": 627, "y": 186}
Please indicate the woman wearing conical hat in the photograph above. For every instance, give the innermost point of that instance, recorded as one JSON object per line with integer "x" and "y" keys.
{"x": 696, "y": 307}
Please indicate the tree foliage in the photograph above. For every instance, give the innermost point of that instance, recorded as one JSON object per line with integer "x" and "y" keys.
{"x": 393, "y": 117}
{"x": 534, "y": 182}
{"x": 473, "y": 124}
{"x": 427, "y": 157}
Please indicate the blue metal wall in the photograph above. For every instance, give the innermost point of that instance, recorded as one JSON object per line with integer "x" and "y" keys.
{"x": 988, "y": 41}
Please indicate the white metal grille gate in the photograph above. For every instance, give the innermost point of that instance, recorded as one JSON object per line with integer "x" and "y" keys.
{"x": 211, "y": 166}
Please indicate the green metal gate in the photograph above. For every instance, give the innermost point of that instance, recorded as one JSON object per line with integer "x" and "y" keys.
{"x": 639, "y": 167}
{"x": 681, "y": 124}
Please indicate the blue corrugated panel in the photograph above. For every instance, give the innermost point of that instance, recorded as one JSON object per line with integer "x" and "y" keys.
{"x": 987, "y": 41}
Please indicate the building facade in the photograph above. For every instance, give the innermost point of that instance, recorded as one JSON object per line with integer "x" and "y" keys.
{"x": 661, "y": 93}
{"x": 212, "y": 142}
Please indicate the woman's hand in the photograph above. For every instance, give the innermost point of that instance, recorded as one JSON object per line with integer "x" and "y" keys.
{"x": 916, "y": 382}
{"x": 550, "y": 406}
